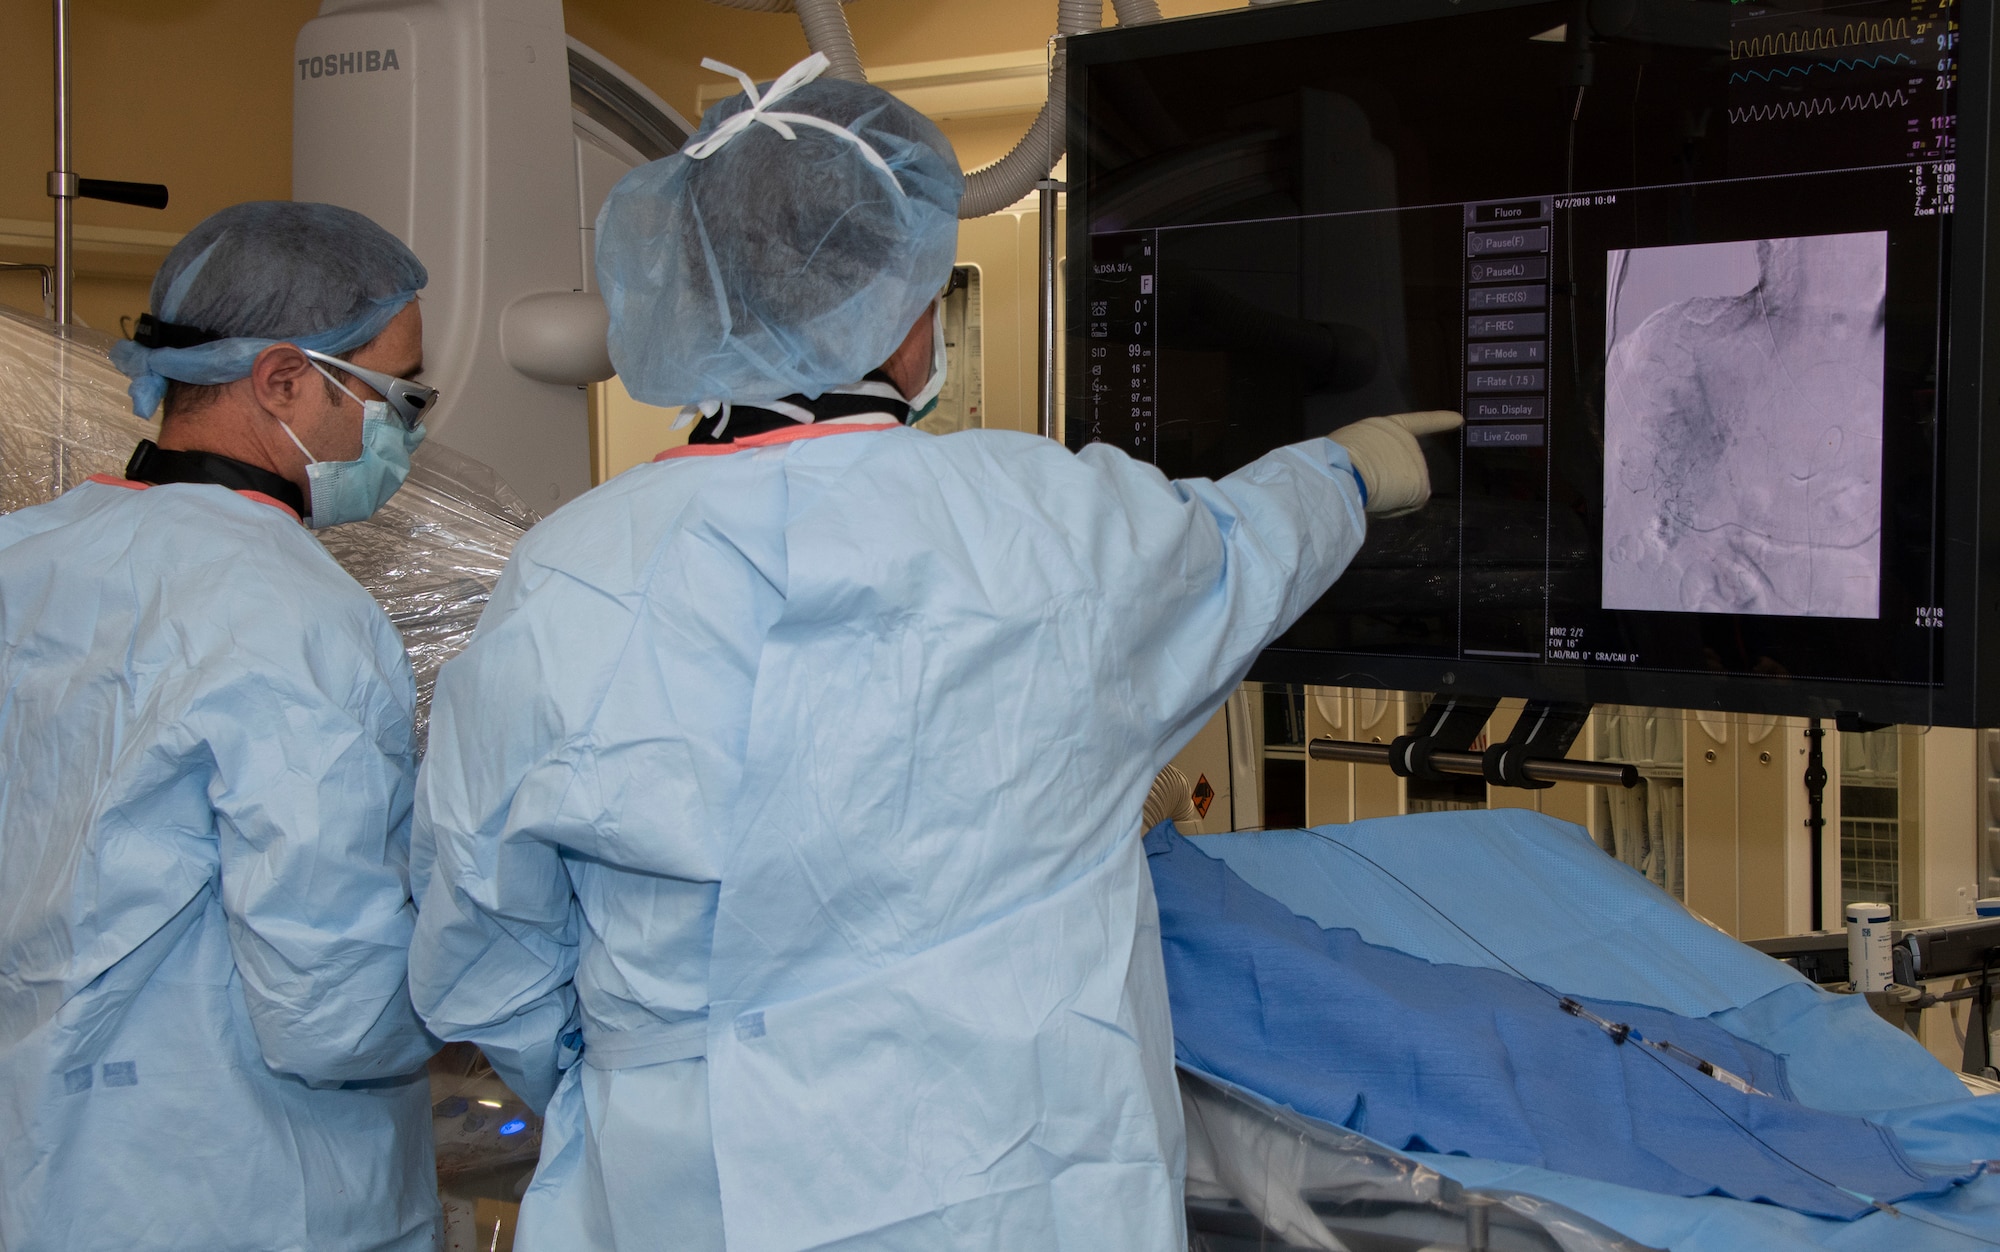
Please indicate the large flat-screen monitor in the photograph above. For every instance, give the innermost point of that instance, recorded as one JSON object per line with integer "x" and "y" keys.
{"x": 1707, "y": 278}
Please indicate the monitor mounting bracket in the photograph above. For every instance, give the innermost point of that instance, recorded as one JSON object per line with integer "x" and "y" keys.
{"x": 1532, "y": 756}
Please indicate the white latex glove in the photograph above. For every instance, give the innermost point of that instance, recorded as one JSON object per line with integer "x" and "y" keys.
{"x": 1385, "y": 453}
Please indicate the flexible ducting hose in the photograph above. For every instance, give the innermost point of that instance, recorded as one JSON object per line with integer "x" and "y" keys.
{"x": 826, "y": 31}
{"x": 1000, "y": 184}
{"x": 1170, "y": 798}
{"x": 994, "y": 187}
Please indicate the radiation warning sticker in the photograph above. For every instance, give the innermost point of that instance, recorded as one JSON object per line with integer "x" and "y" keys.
{"x": 1204, "y": 795}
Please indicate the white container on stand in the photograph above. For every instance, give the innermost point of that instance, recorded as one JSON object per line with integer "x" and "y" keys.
{"x": 1868, "y": 963}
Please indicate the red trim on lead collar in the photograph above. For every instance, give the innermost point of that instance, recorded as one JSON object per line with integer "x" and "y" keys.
{"x": 112, "y": 480}
{"x": 769, "y": 438}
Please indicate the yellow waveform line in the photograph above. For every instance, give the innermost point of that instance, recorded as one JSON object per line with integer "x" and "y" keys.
{"x": 1819, "y": 39}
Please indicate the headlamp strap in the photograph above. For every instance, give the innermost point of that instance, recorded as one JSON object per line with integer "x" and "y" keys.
{"x": 154, "y": 333}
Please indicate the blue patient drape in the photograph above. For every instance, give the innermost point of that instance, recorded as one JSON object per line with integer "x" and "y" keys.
{"x": 1471, "y": 1061}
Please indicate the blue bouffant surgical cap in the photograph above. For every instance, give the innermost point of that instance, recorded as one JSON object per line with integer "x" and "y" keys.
{"x": 787, "y": 248}
{"x": 271, "y": 271}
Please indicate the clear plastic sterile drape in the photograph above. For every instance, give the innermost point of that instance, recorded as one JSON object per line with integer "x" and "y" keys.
{"x": 430, "y": 557}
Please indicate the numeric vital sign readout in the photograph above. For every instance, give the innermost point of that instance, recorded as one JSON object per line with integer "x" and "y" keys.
{"x": 1122, "y": 341}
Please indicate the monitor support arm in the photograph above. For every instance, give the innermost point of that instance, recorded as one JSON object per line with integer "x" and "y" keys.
{"x": 1450, "y": 725}
{"x": 1532, "y": 755}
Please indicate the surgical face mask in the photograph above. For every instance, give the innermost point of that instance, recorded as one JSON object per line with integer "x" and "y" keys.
{"x": 350, "y": 491}
{"x": 926, "y": 398}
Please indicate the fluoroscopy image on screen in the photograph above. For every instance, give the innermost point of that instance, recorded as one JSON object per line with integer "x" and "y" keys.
{"x": 1743, "y": 427}
{"x": 1690, "y": 287}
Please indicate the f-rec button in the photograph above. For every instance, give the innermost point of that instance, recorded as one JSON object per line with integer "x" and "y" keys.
{"x": 1506, "y": 325}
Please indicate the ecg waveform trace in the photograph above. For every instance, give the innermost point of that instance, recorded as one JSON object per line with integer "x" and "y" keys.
{"x": 1833, "y": 67}
{"x": 1819, "y": 39}
{"x": 1821, "y": 107}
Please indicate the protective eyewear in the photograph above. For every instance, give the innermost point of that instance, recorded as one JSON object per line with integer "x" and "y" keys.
{"x": 407, "y": 400}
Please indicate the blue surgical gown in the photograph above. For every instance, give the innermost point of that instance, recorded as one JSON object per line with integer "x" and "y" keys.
{"x": 206, "y": 1039}
{"x": 799, "y": 785}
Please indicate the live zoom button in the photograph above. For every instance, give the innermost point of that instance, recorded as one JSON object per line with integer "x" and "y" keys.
{"x": 1513, "y": 269}
{"x": 1504, "y": 380}
{"x": 1507, "y": 409}
{"x": 1493, "y": 242}
{"x": 1503, "y": 436}
{"x": 1503, "y": 325}
{"x": 1529, "y": 353}
{"x": 1484, "y": 299}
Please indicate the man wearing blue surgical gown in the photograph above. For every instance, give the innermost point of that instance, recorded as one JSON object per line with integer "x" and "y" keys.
{"x": 779, "y": 831}
{"x": 206, "y": 769}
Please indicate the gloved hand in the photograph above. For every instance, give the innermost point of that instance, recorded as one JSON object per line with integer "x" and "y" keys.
{"x": 1385, "y": 453}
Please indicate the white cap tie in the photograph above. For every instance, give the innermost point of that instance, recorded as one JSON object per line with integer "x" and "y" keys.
{"x": 760, "y": 110}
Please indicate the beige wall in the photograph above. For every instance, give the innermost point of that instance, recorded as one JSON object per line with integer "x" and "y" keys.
{"x": 197, "y": 94}
{"x": 662, "y": 42}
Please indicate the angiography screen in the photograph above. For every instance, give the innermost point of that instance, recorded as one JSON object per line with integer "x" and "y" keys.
{"x": 1686, "y": 267}
{"x": 1743, "y": 426}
